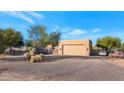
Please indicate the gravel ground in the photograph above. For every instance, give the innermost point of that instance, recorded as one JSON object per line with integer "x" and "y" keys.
{"x": 61, "y": 68}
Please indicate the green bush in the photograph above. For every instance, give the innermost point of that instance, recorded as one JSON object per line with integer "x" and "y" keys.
{"x": 10, "y": 38}
{"x": 122, "y": 47}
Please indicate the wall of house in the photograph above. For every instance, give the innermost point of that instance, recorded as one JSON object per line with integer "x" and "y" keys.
{"x": 85, "y": 44}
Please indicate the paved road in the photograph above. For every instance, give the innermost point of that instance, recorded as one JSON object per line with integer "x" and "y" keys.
{"x": 61, "y": 68}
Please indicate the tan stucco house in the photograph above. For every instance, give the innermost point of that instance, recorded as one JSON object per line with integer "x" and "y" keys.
{"x": 75, "y": 47}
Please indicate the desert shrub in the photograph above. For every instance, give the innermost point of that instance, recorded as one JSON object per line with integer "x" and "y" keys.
{"x": 40, "y": 57}
{"x": 37, "y": 58}
{"x": 32, "y": 60}
{"x": 32, "y": 53}
{"x": 27, "y": 56}
{"x": 32, "y": 57}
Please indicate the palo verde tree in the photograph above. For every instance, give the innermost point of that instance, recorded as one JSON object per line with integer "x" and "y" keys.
{"x": 40, "y": 38}
{"x": 109, "y": 43}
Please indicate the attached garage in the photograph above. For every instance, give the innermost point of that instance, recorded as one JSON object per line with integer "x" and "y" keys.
{"x": 75, "y": 47}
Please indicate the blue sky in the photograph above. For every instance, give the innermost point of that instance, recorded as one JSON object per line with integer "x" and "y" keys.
{"x": 72, "y": 25}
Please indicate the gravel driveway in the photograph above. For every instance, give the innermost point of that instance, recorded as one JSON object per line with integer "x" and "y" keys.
{"x": 61, "y": 68}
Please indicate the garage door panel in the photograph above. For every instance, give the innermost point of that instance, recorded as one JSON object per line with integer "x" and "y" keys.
{"x": 73, "y": 49}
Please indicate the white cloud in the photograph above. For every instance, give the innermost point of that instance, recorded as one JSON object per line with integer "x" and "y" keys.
{"x": 77, "y": 32}
{"x": 74, "y": 33}
{"x": 95, "y": 36}
{"x": 34, "y": 14}
{"x": 24, "y": 15}
{"x": 69, "y": 33}
{"x": 20, "y": 15}
{"x": 96, "y": 30}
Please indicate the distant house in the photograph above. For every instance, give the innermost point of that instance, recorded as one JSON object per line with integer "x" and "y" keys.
{"x": 75, "y": 47}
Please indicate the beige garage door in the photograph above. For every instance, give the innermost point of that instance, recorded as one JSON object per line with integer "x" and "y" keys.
{"x": 73, "y": 50}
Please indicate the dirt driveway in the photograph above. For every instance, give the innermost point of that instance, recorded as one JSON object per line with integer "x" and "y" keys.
{"x": 61, "y": 68}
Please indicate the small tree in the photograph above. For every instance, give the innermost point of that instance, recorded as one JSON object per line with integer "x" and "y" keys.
{"x": 109, "y": 43}
{"x": 2, "y": 45}
{"x": 54, "y": 38}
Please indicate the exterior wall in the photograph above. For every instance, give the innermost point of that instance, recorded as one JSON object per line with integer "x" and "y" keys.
{"x": 86, "y": 46}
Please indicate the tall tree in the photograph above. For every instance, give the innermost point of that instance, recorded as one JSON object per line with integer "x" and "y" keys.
{"x": 109, "y": 43}
{"x": 38, "y": 35}
{"x": 36, "y": 32}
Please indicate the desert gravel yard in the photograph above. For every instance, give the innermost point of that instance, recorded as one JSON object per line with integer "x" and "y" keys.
{"x": 61, "y": 68}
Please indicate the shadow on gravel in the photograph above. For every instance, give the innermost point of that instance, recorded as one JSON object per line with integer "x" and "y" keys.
{"x": 51, "y": 58}
{"x": 13, "y": 59}
{"x": 54, "y": 58}
{"x": 3, "y": 69}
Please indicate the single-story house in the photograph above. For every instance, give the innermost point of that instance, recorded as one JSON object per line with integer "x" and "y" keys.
{"x": 75, "y": 47}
